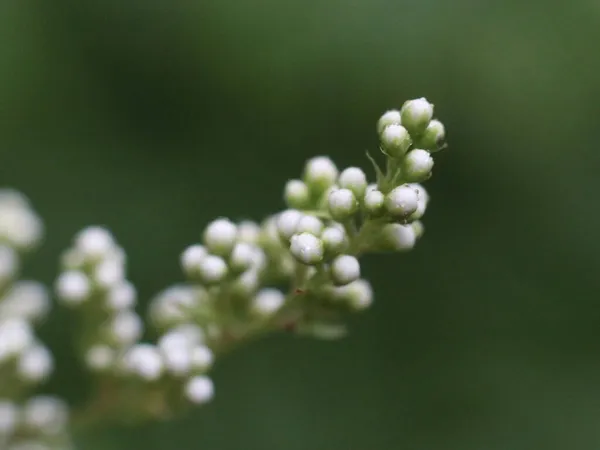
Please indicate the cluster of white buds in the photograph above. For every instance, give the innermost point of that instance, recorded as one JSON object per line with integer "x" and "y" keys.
{"x": 25, "y": 362}
{"x": 93, "y": 283}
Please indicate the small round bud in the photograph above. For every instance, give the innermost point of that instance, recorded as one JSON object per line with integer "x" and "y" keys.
{"x": 16, "y": 336}
{"x": 110, "y": 272}
{"x": 73, "y": 287}
{"x": 418, "y": 228}
{"x": 360, "y": 294}
{"x": 297, "y": 194}
{"x": 99, "y": 357}
{"x": 248, "y": 232}
{"x": 395, "y": 141}
{"x": 191, "y": 259}
{"x": 345, "y": 269}
{"x": 334, "y": 240}
{"x": 125, "y": 328}
{"x": 342, "y": 204}
{"x": 433, "y": 137}
{"x": 374, "y": 202}
{"x": 46, "y": 414}
{"x": 267, "y": 301}
{"x": 402, "y": 201}
{"x": 320, "y": 173}
{"x": 144, "y": 360}
{"x": 287, "y": 223}
{"x": 354, "y": 179}
{"x": 309, "y": 224}
{"x": 202, "y": 358}
{"x": 417, "y": 165}
{"x": 422, "y": 204}
{"x": 416, "y": 115}
{"x": 399, "y": 237}
{"x": 212, "y": 269}
{"x": 122, "y": 296}
{"x": 94, "y": 242}
{"x": 307, "y": 248}
{"x": 391, "y": 117}
{"x": 243, "y": 256}
{"x": 35, "y": 364}
{"x": 28, "y": 300}
{"x": 199, "y": 389}
{"x": 220, "y": 236}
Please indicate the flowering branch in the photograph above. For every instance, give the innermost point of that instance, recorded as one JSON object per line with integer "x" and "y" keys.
{"x": 296, "y": 271}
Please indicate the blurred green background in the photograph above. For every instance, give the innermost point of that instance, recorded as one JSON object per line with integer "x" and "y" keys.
{"x": 155, "y": 116}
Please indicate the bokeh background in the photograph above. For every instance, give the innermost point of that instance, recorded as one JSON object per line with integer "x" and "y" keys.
{"x": 155, "y": 116}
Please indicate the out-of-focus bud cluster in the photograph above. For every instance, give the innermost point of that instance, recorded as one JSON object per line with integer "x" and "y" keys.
{"x": 25, "y": 362}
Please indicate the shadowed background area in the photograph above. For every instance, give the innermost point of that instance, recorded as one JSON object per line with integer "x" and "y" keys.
{"x": 154, "y": 117}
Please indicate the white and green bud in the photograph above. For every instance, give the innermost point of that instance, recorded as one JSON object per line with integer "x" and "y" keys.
{"x": 48, "y": 416}
{"x": 433, "y": 137}
{"x": 395, "y": 141}
{"x": 334, "y": 240}
{"x": 243, "y": 256}
{"x": 320, "y": 173}
{"x": 310, "y": 224}
{"x": 35, "y": 364}
{"x": 121, "y": 296}
{"x": 358, "y": 294}
{"x": 191, "y": 258}
{"x": 287, "y": 223}
{"x": 212, "y": 269}
{"x": 418, "y": 228}
{"x": 342, "y": 204}
{"x": 422, "y": 204}
{"x": 267, "y": 302}
{"x": 125, "y": 328}
{"x": 144, "y": 361}
{"x": 220, "y": 236}
{"x": 100, "y": 358}
{"x": 307, "y": 248}
{"x": 399, "y": 237}
{"x": 248, "y": 231}
{"x": 374, "y": 202}
{"x": 202, "y": 358}
{"x": 297, "y": 194}
{"x": 199, "y": 389}
{"x": 388, "y": 118}
{"x": 344, "y": 270}
{"x": 416, "y": 115}
{"x": 94, "y": 243}
{"x": 73, "y": 287}
{"x": 402, "y": 201}
{"x": 417, "y": 165}
{"x": 354, "y": 179}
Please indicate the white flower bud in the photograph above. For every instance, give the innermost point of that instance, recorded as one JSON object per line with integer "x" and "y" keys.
{"x": 374, "y": 202}
{"x": 20, "y": 227}
{"x": 345, "y": 269}
{"x": 35, "y": 364}
{"x": 73, "y": 287}
{"x": 287, "y": 223}
{"x": 307, "y": 248}
{"x": 359, "y": 294}
{"x": 191, "y": 259}
{"x": 110, "y": 271}
{"x": 247, "y": 283}
{"x": 309, "y": 224}
{"x": 342, "y": 204}
{"x": 9, "y": 264}
{"x": 220, "y": 236}
{"x": 199, "y": 389}
{"x": 125, "y": 328}
{"x": 395, "y": 141}
{"x": 417, "y": 165}
{"x": 334, "y": 240}
{"x": 399, "y": 237}
{"x": 99, "y": 358}
{"x": 422, "y": 203}
{"x": 388, "y": 118}
{"x": 243, "y": 256}
{"x": 354, "y": 179}
{"x": 72, "y": 259}
{"x": 192, "y": 333}
{"x": 9, "y": 418}
{"x": 418, "y": 228}
{"x": 416, "y": 115}
{"x": 297, "y": 194}
{"x": 248, "y": 232}
{"x": 320, "y": 173}
{"x": 94, "y": 242}
{"x": 402, "y": 201}
{"x": 46, "y": 415}
{"x": 144, "y": 360}
{"x": 16, "y": 336}
{"x": 202, "y": 358}
{"x": 121, "y": 296}
{"x": 213, "y": 269}
{"x": 268, "y": 301}
{"x": 175, "y": 304}
{"x": 28, "y": 300}
{"x": 433, "y": 137}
